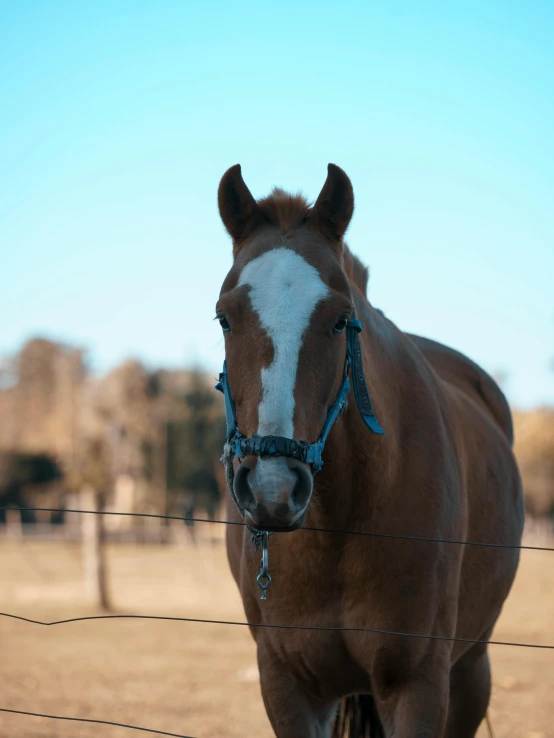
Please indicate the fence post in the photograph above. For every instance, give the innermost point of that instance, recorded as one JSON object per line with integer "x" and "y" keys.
{"x": 94, "y": 549}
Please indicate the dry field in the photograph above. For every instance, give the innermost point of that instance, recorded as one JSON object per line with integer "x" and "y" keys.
{"x": 193, "y": 679}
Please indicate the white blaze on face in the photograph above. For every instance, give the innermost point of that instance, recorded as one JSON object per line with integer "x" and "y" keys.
{"x": 284, "y": 291}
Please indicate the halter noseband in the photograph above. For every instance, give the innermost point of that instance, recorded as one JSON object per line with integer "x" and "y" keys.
{"x": 310, "y": 453}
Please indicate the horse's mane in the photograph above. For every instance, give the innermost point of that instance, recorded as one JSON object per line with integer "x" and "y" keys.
{"x": 287, "y": 212}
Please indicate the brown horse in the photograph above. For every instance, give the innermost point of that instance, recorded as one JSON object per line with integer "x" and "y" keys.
{"x": 444, "y": 469}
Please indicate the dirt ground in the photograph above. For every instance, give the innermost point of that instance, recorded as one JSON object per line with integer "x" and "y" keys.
{"x": 194, "y": 679}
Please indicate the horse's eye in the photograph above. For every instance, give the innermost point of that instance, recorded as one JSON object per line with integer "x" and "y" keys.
{"x": 341, "y": 325}
{"x": 224, "y": 323}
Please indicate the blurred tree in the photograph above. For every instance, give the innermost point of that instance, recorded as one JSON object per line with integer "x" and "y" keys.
{"x": 534, "y": 447}
{"x": 163, "y": 430}
{"x": 39, "y": 397}
{"x": 29, "y": 480}
{"x": 195, "y": 443}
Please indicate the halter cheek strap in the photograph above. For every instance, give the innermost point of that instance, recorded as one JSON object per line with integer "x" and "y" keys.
{"x": 309, "y": 453}
{"x": 361, "y": 390}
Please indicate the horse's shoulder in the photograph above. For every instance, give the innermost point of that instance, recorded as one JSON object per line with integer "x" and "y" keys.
{"x": 457, "y": 369}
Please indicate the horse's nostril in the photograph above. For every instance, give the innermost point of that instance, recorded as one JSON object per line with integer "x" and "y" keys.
{"x": 302, "y": 489}
{"x": 242, "y": 487}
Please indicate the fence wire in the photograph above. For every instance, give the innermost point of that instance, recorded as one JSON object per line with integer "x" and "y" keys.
{"x": 282, "y": 626}
{"x": 97, "y": 722}
{"x": 394, "y": 536}
{"x": 252, "y": 625}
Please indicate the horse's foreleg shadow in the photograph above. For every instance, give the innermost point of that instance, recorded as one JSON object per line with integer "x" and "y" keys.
{"x": 292, "y": 712}
{"x": 470, "y": 689}
{"x": 441, "y": 706}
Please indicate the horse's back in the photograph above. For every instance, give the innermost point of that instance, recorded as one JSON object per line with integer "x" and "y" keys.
{"x": 457, "y": 369}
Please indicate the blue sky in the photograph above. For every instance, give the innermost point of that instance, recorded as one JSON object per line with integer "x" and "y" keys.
{"x": 118, "y": 119}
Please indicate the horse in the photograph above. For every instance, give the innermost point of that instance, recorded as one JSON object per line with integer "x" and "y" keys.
{"x": 339, "y": 422}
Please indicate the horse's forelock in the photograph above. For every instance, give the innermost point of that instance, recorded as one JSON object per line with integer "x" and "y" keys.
{"x": 284, "y": 210}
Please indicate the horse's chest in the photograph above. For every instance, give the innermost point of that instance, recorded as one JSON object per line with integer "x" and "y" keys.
{"x": 319, "y": 659}
{"x": 318, "y": 655}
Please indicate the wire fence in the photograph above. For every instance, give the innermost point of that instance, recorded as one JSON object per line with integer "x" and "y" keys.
{"x": 281, "y": 626}
{"x": 393, "y": 536}
{"x": 96, "y": 722}
{"x": 257, "y": 625}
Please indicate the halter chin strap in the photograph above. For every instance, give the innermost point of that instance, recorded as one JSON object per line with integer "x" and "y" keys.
{"x": 310, "y": 453}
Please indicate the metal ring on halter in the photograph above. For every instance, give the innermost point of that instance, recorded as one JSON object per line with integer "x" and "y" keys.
{"x": 263, "y": 585}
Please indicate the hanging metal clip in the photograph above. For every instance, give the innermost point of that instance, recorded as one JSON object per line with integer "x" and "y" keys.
{"x": 260, "y": 538}
{"x": 264, "y": 578}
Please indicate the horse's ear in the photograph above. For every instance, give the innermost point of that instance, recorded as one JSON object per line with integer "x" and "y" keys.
{"x": 238, "y": 209}
{"x": 333, "y": 209}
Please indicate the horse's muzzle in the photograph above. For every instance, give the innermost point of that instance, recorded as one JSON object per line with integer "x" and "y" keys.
{"x": 274, "y": 492}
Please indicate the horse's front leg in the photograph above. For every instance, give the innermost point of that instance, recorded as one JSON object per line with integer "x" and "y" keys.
{"x": 415, "y": 704}
{"x": 292, "y": 711}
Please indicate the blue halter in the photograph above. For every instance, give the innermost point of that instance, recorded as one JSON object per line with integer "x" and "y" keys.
{"x": 310, "y": 453}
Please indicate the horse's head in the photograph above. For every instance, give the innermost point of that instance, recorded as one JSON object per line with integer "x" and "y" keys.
{"x": 283, "y": 309}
